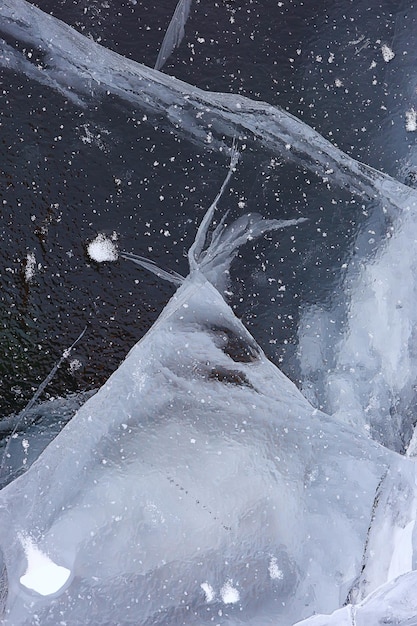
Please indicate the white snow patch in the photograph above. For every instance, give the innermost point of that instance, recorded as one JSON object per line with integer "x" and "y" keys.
{"x": 42, "y": 574}
{"x": 273, "y": 569}
{"x": 30, "y": 266}
{"x": 209, "y": 591}
{"x": 411, "y": 120}
{"x": 103, "y": 248}
{"x": 387, "y": 53}
{"x": 229, "y": 594}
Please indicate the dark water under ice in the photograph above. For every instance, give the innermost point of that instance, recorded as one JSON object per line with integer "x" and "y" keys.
{"x": 69, "y": 173}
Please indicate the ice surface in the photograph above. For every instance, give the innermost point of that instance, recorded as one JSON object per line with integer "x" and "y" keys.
{"x": 199, "y": 485}
{"x": 31, "y": 433}
{"x": 368, "y": 374}
{"x": 393, "y": 603}
{"x": 82, "y": 69}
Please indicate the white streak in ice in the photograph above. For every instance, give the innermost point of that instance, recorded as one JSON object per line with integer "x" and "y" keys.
{"x": 209, "y": 591}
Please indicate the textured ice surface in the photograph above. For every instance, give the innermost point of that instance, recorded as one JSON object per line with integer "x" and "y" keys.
{"x": 32, "y": 432}
{"x": 82, "y": 69}
{"x": 367, "y": 376}
{"x": 199, "y": 485}
{"x": 197, "y": 462}
{"x": 393, "y": 603}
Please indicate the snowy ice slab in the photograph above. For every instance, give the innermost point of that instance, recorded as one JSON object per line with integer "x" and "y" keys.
{"x": 198, "y": 460}
{"x": 197, "y": 482}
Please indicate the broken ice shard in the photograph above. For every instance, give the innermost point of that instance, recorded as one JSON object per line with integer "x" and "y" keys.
{"x": 197, "y": 483}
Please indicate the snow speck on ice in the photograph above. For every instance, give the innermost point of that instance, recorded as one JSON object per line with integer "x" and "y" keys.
{"x": 30, "y": 266}
{"x": 229, "y": 594}
{"x": 387, "y": 53}
{"x": 209, "y": 591}
{"x": 103, "y": 248}
{"x": 411, "y": 120}
{"x": 274, "y": 572}
{"x": 75, "y": 365}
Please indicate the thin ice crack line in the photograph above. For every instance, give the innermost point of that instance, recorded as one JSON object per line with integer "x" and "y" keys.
{"x": 66, "y": 353}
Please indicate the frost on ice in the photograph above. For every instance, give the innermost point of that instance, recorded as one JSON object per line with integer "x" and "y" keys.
{"x": 274, "y": 570}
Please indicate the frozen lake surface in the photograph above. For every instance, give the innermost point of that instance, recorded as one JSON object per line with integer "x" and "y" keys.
{"x": 199, "y": 484}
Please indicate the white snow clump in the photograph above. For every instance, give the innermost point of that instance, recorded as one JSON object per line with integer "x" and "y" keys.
{"x": 103, "y": 248}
